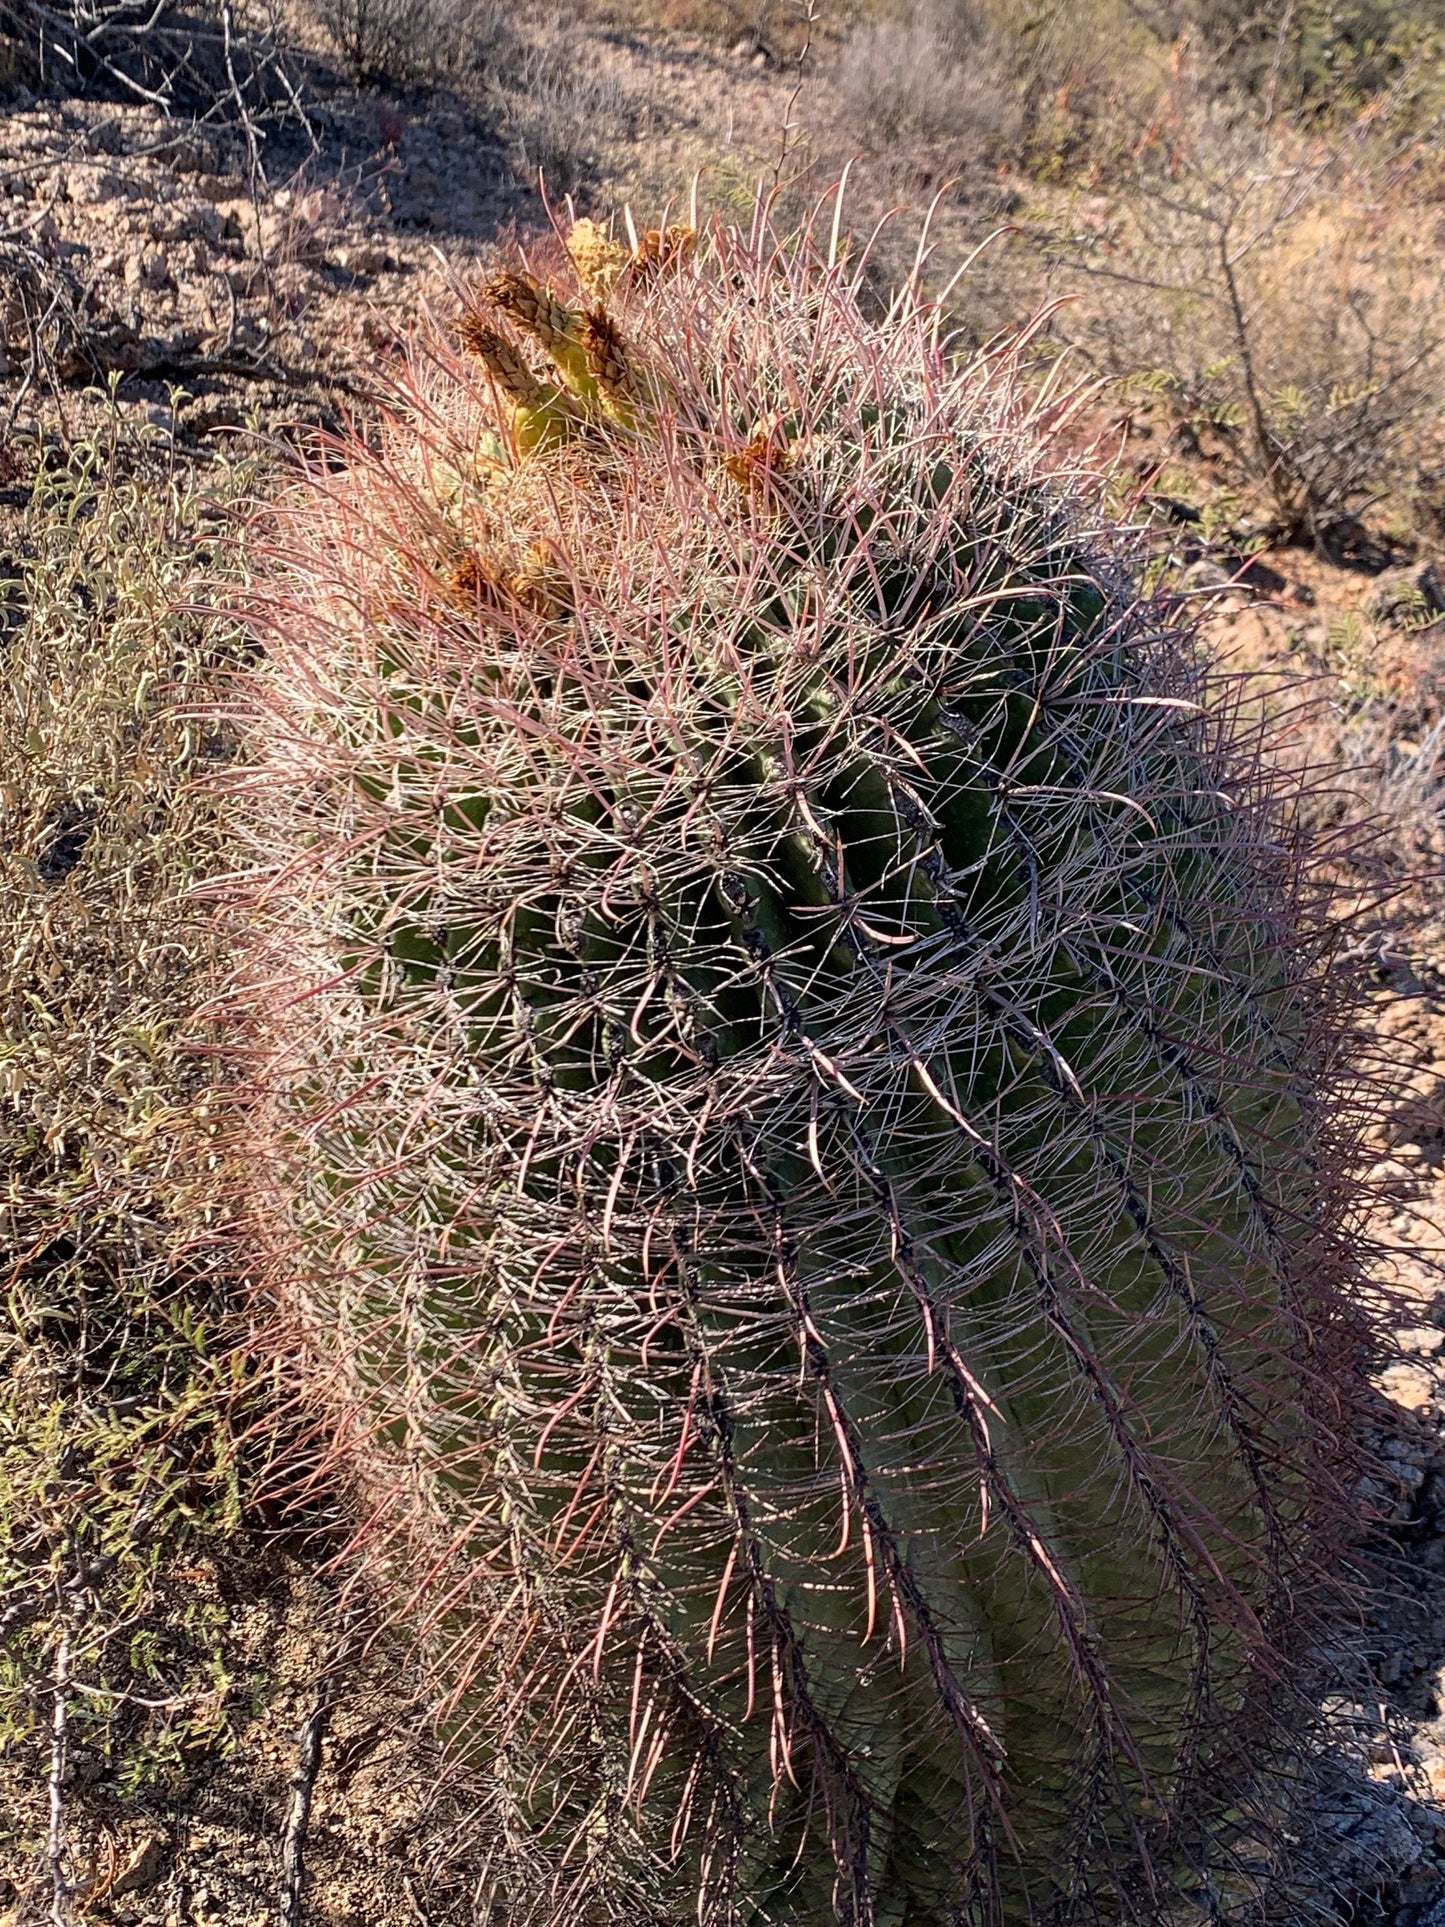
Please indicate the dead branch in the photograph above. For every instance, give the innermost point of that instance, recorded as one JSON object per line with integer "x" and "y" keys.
{"x": 57, "y": 1849}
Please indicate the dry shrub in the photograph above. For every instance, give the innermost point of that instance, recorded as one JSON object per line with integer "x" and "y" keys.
{"x": 1311, "y": 56}
{"x": 1088, "y": 76}
{"x": 1288, "y": 311}
{"x": 1078, "y": 86}
{"x": 1399, "y": 782}
{"x": 780, "y": 27}
{"x": 929, "y": 75}
{"x": 207, "y": 59}
{"x": 1383, "y": 736}
{"x": 556, "y": 105}
{"x": 416, "y": 40}
{"x": 1379, "y": 785}
{"x": 120, "y": 1401}
{"x": 44, "y": 336}
{"x": 1048, "y": 86}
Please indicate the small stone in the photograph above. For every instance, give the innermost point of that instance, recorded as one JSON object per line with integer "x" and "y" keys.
{"x": 147, "y": 268}
{"x": 93, "y": 186}
{"x": 199, "y": 221}
{"x": 140, "y": 1869}
{"x": 1206, "y": 574}
{"x": 1426, "y": 1339}
{"x": 1408, "y": 1385}
{"x": 1391, "y": 1175}
{"x": 192, "y": 153}
{"x": 366, "y": 258}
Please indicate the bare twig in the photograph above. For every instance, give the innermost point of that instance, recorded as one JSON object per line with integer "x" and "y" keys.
{"x": 255, "y": 170}
{"x": 1281, "y": 40}
{"x": 163, "y": 55}
{"x": 303, "y": 1782}
{"x": 789, "y": 126}
{"x": 1271, "y": 452}
{"x": 57, "y": 1850}
{"x": 409, "y": 1888}
{"x": 310, "y": 1738}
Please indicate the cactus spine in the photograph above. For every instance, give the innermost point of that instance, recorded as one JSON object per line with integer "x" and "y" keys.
{"x": 802, "y": 1180}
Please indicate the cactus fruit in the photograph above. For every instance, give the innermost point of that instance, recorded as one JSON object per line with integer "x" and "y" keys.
{"x": 794, "y": 1135}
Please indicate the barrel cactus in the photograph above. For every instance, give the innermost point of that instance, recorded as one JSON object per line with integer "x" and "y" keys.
{"x": 792, "y": 1142}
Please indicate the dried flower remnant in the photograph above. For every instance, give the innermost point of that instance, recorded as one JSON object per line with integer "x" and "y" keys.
{"x": 599, "y": 259}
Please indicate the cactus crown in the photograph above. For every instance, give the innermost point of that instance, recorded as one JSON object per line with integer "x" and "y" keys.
{"x": 802, "y": 1180}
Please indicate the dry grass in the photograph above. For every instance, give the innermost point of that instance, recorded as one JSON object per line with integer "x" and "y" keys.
{"x": 781, "y": 28}
{"x": 1050, "y": 88}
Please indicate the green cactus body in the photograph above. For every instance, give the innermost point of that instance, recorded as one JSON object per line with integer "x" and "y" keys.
{"x": 804, "y": 1182}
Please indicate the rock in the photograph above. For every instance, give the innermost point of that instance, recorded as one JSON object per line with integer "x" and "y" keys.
{"x": 195, "y": 221}
{"x": 94, "y": 186}
{"x": 190, "y": 153}
{"x": 1411, "y": 1386}
{"x": 238, "y": 222}
{"x": 139, "y": 1871}
{"x": 1424, "y": 1339}
{"x": 1206, "y": 574}
{"x": 1391, "y": 1176}
{"x": 193, "y": 260}
{"x": 365, "y": 258}
{"x": 148, "y": 268}
{"x": 1401, "y": 1492}
{"x": 218, "y": 187}
{"x": 294, "y": 284}
{"x": 300, "y": 228}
